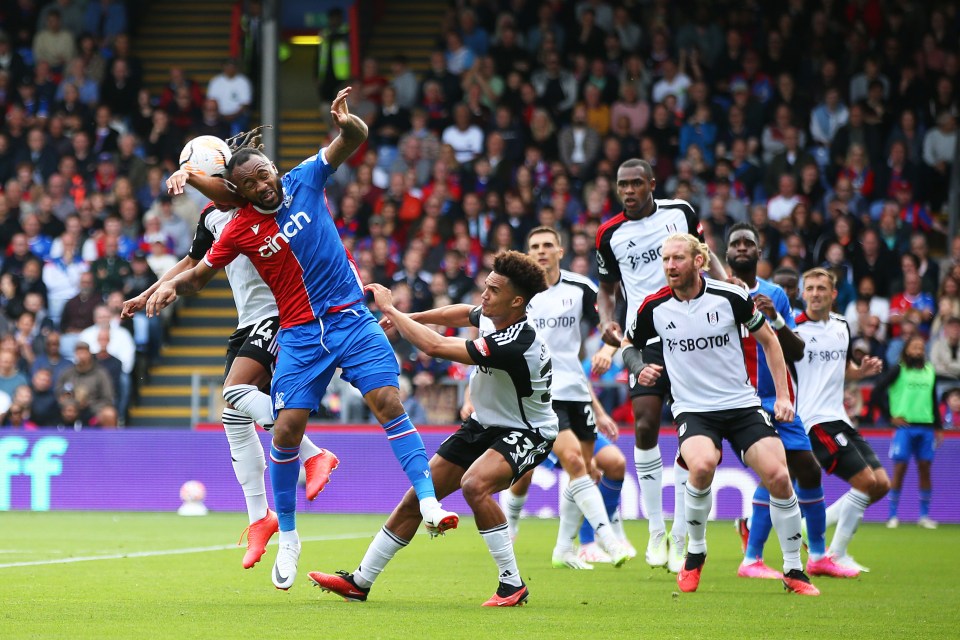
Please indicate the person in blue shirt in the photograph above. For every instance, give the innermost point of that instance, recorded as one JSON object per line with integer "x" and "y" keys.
{"x": 743, "y": 254}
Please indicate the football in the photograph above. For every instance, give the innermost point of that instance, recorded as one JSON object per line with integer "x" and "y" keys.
{"x": 193, "y": 491}
{"x": 205, "y": 155}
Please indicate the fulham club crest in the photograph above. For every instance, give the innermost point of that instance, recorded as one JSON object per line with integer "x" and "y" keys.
{"x": 713, "y": 317}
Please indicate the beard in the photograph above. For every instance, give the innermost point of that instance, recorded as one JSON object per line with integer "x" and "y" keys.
{"x": 740, "y": 265}
{"x": 913, "y": 363}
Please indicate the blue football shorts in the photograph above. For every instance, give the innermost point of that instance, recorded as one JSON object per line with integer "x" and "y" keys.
{"x": 912, "y": 442}
{"x": 793, "y": 435}
{"x": 310, "y": 353}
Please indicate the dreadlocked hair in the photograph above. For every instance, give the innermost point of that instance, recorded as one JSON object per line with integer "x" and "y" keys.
{"x": 252, "y": 139}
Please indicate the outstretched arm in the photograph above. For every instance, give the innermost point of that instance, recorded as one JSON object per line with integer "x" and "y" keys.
{"x": 187, "y": 283}
{"x": 427, "y": 340}
{"x": 138, "y": 303}
{"x": 218, "y": 190}
{"x": 353, "y": 130}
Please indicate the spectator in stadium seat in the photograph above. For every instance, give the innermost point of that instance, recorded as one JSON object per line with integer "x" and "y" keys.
{"x": 233, "y": 92}
{"x": 555, "y": 87}
{"x": 945, "y": 350}
{"x": 44, "y": 408}
{"x": 857, "y": 130}
{"x": 53, "y": 44}
{"x": 465, "y": 138}
{"x": 89, "y": 386}
{"x": 939, "y": 145}
{"x": 10, "y": 376}
{"x": 578, "y": 144}
{"x": 50, "y": 357}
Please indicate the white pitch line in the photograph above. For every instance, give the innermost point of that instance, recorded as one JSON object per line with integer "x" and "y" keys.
{"x": 169, "y": 552}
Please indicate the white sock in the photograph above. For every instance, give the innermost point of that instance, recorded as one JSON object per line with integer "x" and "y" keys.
{"x": 649, "y": 467}
{"x": 513, "y": 507}
{"x": 855, "y": 503}
{"x": 498, "y": 542}
{"x": 385, "y": 545}
{"x": 308, "y": 449}
{"x": 289, "y": 537}
{"x": 249, "y": 461}
{"x": 590, "y": 503}
{"x": 250, "y": 400}
{"x": 697, "y": 508}
{"x": 570, "y": 518}
{"x": 616, "y": 523}
{"x": 785, "y": 517}
{"x": 833, "y": 511}
{"x": 679, "y": 529}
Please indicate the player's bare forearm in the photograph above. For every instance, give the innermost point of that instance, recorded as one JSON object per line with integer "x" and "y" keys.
{"x": 452, "y": 315}
{"x": 191, "y": 281}
{"x": 716, "y": 270}
{"x": 186, "y": 263}
{"x": 606, "y": 302}
{"x": 217, "y": 189}
{"x": 353, "y": 132}
{"x": 426, "y": 339}
{"x": 774, "y": 354}
{"x": 791, "y": 344}
{"x": 137, "y": 303}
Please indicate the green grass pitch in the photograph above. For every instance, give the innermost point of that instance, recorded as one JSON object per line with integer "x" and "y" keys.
{"x": 118, "y": 585}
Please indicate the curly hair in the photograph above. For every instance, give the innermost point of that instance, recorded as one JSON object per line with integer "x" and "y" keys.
{"x": 526, "y": 276}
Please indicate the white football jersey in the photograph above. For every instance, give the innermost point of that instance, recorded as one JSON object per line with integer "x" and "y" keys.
{"x": 559, "y": 315}
{"x": 822, "y": 371}
{"x": 251, "y": 294}
{"x": 701, "y": 345}
{"x": 629, "y": 252}
{"x": 510, "y": 386}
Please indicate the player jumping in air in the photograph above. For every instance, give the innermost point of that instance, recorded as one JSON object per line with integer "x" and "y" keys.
{"x": 251, "y": 352}
{"x": 286, "y": 230}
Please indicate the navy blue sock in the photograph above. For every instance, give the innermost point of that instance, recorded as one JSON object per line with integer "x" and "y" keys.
{"x": 610, "y": 491}
{"x": 760, "y": 524}
{"x": 284, "y": 474}
{"x": 409, "y": 450}
{"x": 814, "y": 510}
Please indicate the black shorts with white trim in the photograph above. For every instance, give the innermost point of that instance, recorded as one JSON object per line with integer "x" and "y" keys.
{"x": 841, "y": 450}
{"x": 523, "y": 449}
{"x": 578, "y": 417}
{"x": 742, "y": 428}
{"x": 257, "y": 341}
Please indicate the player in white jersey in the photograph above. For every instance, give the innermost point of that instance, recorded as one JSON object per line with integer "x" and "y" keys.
{"x": 698, "y": 321}
{"x": 511, "y": 430}
{"x": 251, "y": 352}
{"x": 839, "y": 447}
{"x": 558, "y": 314}
{"x": 628, "y": 257}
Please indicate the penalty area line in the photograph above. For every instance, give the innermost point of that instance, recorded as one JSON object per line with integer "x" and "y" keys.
{"x": 170, "y": 552}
